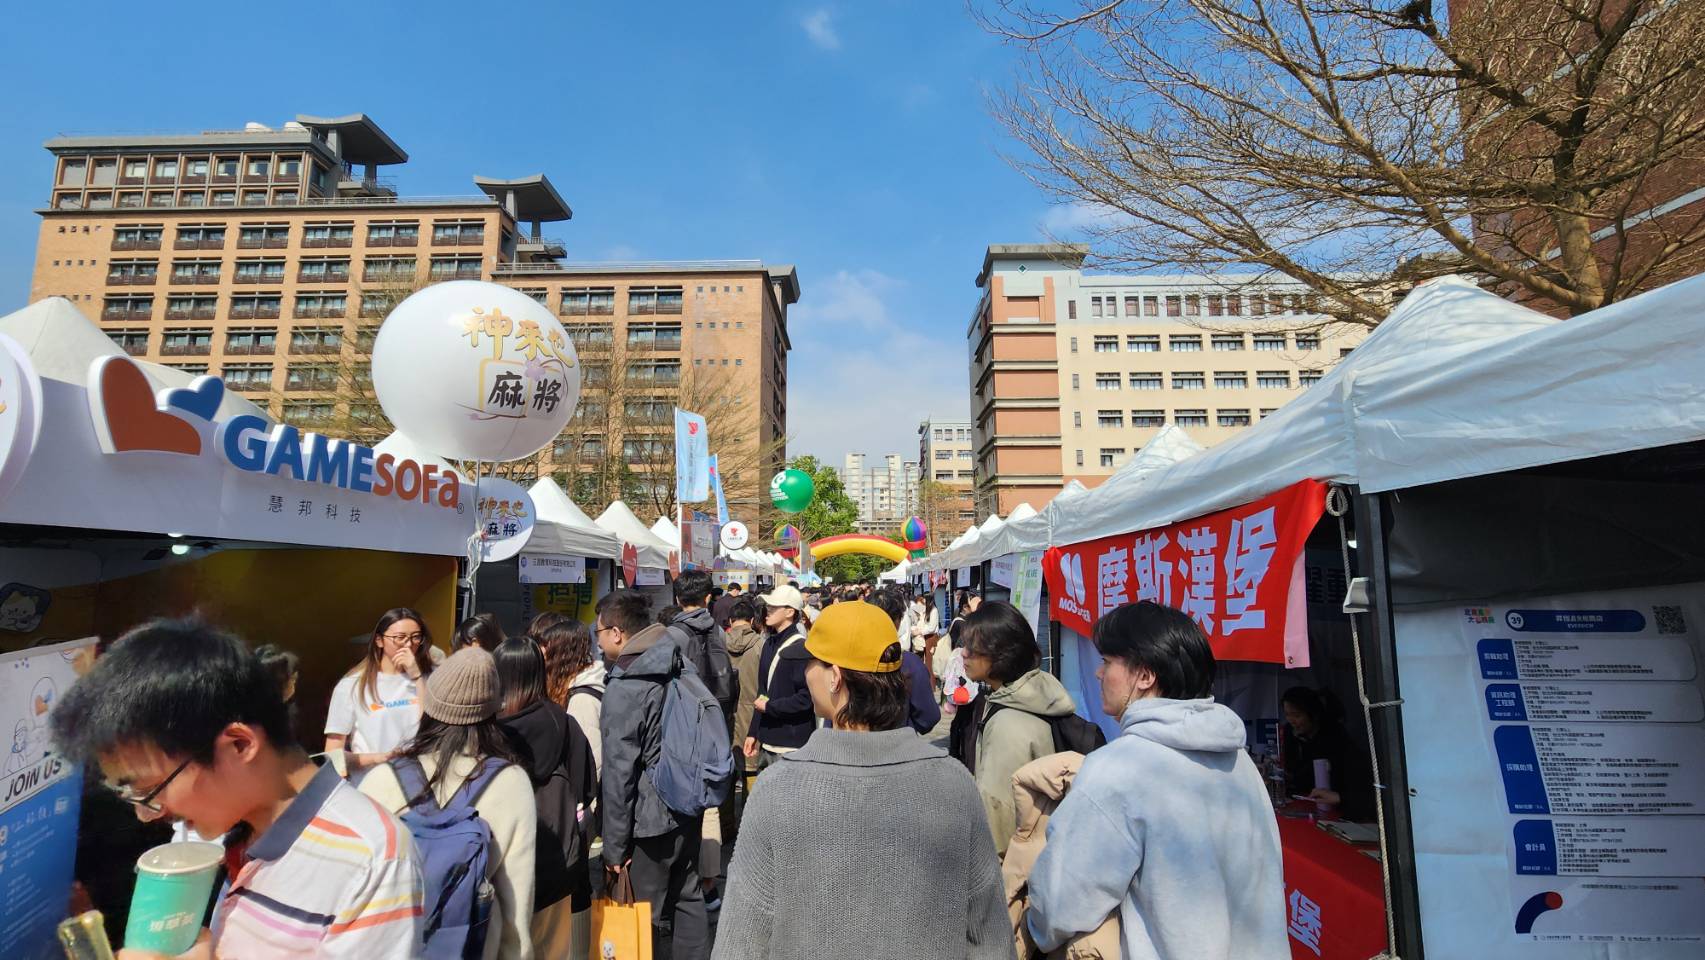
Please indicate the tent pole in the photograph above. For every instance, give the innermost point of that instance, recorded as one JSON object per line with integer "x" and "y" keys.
{"x": 1379, "y": 654}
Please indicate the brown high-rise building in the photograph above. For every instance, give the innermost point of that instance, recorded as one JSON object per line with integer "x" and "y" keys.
{"x": 269, "y": 256}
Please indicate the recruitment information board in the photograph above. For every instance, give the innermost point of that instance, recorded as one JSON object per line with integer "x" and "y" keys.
{"x": 1582, "y": 764}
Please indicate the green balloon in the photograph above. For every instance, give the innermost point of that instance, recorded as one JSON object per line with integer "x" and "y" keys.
{"x": 791, "y": 490}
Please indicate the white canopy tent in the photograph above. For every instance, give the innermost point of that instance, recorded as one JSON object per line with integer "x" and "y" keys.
{"x": 572, "y": 530}
{"x": 667, "y": 532}
{"x": 618, "y": 519}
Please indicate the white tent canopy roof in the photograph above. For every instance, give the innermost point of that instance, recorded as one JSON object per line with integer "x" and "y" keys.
{"x": 619, "y": 520}
{"x": 667, "y": 532}
{"x": 62, "y": 343}
{"x": 575, "y": 531}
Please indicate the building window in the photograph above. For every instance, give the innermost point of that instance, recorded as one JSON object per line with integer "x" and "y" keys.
{"x": 1146, "y": 381}
{"x": 121, "y": 272}
{"x": 1308, "y": 341}
{"x": 199, "y": 238}
{"x": 133, "y": 342}
{"x": 944, "y": 454}
{"x": 316, "y": 340}
{"x": 1109, "y": 454}
{"x": 1344, "y": 352}
{"x": 1189, "y": 380}
{"x": 539, "y": 294}
{"x": 195, "y": 169}
{"x": 190, "y": 342}
{"x": 1308, "y": 378}
{"x": 256, "y": 307}
{"x": 136, "y": 237}
{"x": 316, "y": 235}
{"x": 310, "y": 376}
{"x": 1080, "y": 458}
{"x": 289, "y": 168}
{"x": 224, "y": 198}
{"x": 1234, "y": 305}
{"x": 388, "y": 268}
{"x": 654, "y": 300}
{"x": 655, "y": 337}
{"x": 1074, "y": 381}
{"x": 252, "y": 341}
{"x": 156, "y": 198}
{"x": 1192, "y": 306}
{"x": 193, "y": 369}
{"x": 588, "y": 301}
{"x": 655, "y": 372}
{"x": 1231, "y": 380}
{"x": 135, "y": 169}
{"x": 1110, "y": 418}
{"x": 452, "y": 233}
{"x": 590, "y": 335}
{"x": 323, "y": 270}
{"x": 1074, "y": 344}
{"x": 1071, "y": 309}
{"x": 1095, "y": 306}
{"x": 256, "y": 270}
{"x": 1234, "y": 417}
{"x": 1216, "y": 306}
{"x": 192, "y": 308}
{"x": 1188, "y": 344}
{"x": 1190, "y": 418}
{"x": 165, "y": 169}
{"x": 127, "y": 308}
{"x": 1174, "y": 306}
{"x": 1228, "y": 341}
{"x": 1148, "y": 418}
{"x": 308, "y": 411}
{"x": 260, "y": 166}
{"x": 1151, "y": 306}
{"x": 1077, "y": 421}
{"x": 1270, "y": 342}
{"x": 1273, "y": 379}
{"x": 73, "y": 173}
{"x": 455, "y": 268}
{"x": 247, "y": 376}
{"x": 1268, "y": 411}
{"x": 1106, "y": 344}
{"x": 1142, "y": 343}
{"x": 1107, "y": 381}
{"x": 393, "y": 233}
{"x": 321, "y": 305}
{"x": 225, "y": 168}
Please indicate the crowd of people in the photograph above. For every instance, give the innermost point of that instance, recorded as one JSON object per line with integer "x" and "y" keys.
{"x": 476, "y": 802}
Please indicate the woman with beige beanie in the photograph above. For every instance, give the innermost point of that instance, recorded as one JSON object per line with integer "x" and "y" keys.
{"x": 458, "y": 733}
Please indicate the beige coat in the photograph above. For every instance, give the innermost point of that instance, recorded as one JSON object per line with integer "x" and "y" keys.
{"x": 1037, "y": 789}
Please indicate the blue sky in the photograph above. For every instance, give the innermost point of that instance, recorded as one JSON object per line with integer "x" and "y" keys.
{"x": 851, "y": 139}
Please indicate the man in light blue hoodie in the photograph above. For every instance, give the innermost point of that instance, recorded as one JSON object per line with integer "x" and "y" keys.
{"x": 1169, "y": 824}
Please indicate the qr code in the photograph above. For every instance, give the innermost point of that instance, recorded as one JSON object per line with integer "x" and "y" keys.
{"x": 1669, "y": 619}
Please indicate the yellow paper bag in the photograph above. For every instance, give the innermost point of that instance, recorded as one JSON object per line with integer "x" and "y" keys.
{"x": 621, "y": 931}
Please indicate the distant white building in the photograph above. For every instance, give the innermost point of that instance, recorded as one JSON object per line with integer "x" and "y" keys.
{"x": 886, "y": 495}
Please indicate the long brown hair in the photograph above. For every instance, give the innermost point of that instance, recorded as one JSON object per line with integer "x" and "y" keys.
{"x": 567, "y": 648}
{"x": 368, "y": 669}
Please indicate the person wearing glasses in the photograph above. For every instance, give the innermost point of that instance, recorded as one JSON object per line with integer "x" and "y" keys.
{"x": 185, "y": 723}
{"x": 375, "y": 708}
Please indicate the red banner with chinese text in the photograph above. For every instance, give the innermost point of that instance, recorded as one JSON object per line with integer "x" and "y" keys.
{"x": 1237, "y": 573}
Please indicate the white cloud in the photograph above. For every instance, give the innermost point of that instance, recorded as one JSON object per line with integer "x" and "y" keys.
{"x": 860, "y": 378}
{"x": 1077, "y": 218}
{"x": 819, "y": 28}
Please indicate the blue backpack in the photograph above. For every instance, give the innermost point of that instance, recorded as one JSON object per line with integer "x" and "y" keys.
{"x": 455, "y": 848}
{"x": 695, "y": 760}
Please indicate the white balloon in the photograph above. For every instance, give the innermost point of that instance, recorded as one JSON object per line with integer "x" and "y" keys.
{"x": 734, "y": 535}
{"x": 506, "y": 518}
{"x": 475, "y": 371}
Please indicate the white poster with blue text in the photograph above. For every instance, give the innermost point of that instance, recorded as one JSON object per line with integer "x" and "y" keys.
{"x": 692, "y": 458}
{"x": 1556, "y": 748}
{"x": 40, "y": 800}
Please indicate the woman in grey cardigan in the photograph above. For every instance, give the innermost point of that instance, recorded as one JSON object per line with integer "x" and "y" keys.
{"x": 867, "y": 843}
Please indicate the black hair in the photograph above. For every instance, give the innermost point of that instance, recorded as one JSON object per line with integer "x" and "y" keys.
{"x": 742, "y": 609}
{"x": 626, "y": 610}
{"x": 735, "y": 587}
{"x": 1322, "y": 706}
{"x": 1000, "y": 633}
{"x": 692, "y": 587}
{"x": 875, "y": 701}
{"x": 480, "y": 630}
{"x": 667, "y": 615}
{"x": 1163, "y": 640}
{"x": 889, "y": 601}
{"x": 368, "y": 668}
{"x": 175, "y": 684}
{"x": 520, "y": 674}
{"x": 279, "y": 662}
{"x": 445, "y": 742}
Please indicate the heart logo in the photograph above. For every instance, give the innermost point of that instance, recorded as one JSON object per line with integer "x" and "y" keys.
{"x": 630, "y": 562}
{"x": 201, "y": 398}
{"x": 126, "y": 418}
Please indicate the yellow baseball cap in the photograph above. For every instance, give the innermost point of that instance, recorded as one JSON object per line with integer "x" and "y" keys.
{"x": 855, "y": 636}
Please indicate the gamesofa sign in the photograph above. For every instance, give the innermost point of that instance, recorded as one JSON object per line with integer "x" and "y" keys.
{"x": 130, "y": 418}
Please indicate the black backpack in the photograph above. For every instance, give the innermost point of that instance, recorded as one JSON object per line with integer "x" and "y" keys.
{"x": 1070, "y": 732}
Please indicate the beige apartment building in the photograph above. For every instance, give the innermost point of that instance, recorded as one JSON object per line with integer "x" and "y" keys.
{"x": 948, "y": 457}
{"x": 270, "y": 256}
{"x": 1072, "y": 373}
{"x": 886, "y": 493}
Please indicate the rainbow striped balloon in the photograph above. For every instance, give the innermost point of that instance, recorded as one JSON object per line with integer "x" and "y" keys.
{"x": 788, "y": 533}
{"x": 914, "y": 531}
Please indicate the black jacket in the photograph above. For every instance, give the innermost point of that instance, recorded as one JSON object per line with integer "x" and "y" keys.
{"x": 631, "y": 723}
{"x": 787, "y": 720}
{"x": 702, "y": 644}
{"x": 559, "y": 761}
{"x": 1351, "y": 775}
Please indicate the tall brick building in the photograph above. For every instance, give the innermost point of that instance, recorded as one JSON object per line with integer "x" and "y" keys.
{"x": 269, "y": 256}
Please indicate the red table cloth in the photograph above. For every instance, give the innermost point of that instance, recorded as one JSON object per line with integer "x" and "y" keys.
{"x": 1334, "y": 901}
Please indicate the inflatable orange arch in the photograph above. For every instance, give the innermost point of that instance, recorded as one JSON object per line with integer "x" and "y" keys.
{"x": 858, "y": 543}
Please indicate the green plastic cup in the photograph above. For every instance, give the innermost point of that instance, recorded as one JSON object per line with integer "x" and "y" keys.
{"x": 173, "y": 882}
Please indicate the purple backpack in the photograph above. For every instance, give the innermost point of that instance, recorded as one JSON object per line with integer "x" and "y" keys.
{"x": 456, "y": 851}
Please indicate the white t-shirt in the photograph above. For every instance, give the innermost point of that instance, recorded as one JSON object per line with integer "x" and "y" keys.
{"x": 374, "y": 727}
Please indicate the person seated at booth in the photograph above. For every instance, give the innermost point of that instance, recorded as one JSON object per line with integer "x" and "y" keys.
{"x": 1317, "y": 733}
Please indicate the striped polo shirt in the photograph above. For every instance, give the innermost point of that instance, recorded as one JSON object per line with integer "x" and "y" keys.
{"x": 334, "y": 876}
